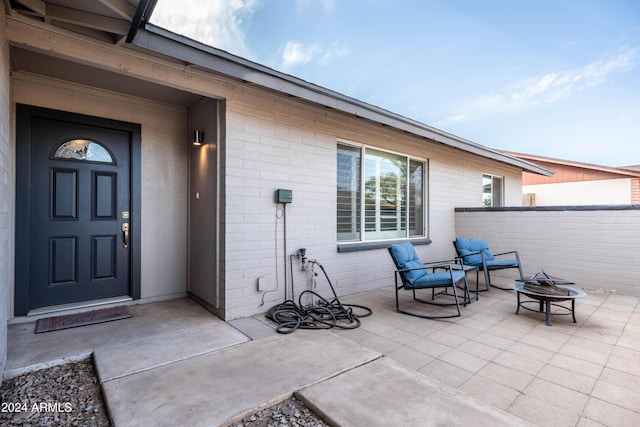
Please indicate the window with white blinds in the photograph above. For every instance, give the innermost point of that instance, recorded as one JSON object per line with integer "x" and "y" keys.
{"x": 380, "y": 195}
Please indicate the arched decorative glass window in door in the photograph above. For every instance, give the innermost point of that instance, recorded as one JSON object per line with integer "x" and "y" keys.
{"x": 85, "y": 150}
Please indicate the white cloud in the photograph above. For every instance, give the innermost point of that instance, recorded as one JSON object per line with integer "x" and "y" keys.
{"x": 217, "y": 23}
{"x": 546, "y": 89}
{"x": 295, "y": 53}
{"x": 336, "y": 50}
{"x": 298, "y": 53}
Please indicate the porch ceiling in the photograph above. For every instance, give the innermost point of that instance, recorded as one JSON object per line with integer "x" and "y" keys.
{"x": 113, "y": 21}
{"x": 57, "y": 68}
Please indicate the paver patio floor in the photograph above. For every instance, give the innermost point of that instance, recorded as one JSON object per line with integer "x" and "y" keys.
{"x": 568, "y": 374}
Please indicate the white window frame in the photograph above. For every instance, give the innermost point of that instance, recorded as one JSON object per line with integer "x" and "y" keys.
{"x": 495, "y": 182}
{"x": 361, "y": 236}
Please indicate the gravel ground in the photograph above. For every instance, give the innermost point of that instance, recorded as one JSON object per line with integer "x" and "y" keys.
{"x": 65, "y": 395}
{"x": 291, "y": 412}
{"x": 69, "y": 395}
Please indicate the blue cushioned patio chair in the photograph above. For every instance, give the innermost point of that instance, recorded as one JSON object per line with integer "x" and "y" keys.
{"x": 476, "y": 252}
{"x": 413, "y": 275}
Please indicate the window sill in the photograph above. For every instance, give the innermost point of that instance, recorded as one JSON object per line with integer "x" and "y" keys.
{"x": 367, "y": 246}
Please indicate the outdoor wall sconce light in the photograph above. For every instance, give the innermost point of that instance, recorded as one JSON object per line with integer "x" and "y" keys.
{"x": 198, "y": 137}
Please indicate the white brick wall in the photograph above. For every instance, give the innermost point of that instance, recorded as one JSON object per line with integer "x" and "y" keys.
{"x": 598, "y": 249}
{"x": 275, "y": 142}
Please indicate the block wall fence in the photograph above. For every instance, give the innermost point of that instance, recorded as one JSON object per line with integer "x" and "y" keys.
{"x": 598, "y": 247}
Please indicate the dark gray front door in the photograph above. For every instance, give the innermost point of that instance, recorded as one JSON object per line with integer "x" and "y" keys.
{"x": 78, "y": 218}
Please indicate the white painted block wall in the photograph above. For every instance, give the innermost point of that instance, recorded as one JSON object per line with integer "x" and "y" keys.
{"x": 597, "y": 249}
{"x": 274, "y": 142}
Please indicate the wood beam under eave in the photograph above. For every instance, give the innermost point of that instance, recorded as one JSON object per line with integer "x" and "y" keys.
{"x": 119, "y": 39}
{"x": 88, "y": 20}
{"x": 121, "y": 7}
{"x": 39, "y": 7}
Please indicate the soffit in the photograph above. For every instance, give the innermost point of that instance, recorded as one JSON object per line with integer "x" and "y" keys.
{"x": 107, "y": 20}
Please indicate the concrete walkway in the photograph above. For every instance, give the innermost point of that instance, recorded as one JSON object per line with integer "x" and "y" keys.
{"x": 174, "y": 329}
{"x": 213, "y": 388}
{"x": 175, "y": 364}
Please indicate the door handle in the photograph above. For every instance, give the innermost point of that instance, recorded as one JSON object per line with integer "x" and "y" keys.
{"x": 125, "y": 230}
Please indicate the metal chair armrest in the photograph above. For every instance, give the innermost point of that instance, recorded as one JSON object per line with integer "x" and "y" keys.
{"x": 405, "y": 270}
{"x": 506, "y": 253}
{"x": 445, "y": 264}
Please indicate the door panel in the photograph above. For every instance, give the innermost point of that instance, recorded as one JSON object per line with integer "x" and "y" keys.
{"x": 104, "y": 257}
{"x": 104, "y": 195}
{"x": 78, "y": 197}
{"x": 64, "y": 191}
{"x": 63, "y": 252}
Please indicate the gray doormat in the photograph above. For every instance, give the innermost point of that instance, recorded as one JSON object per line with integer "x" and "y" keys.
{"x": 81, "y": 319}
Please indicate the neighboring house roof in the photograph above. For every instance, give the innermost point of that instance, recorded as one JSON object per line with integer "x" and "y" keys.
{"x": 571, "y": 171}
{"x": 125, "y": 21}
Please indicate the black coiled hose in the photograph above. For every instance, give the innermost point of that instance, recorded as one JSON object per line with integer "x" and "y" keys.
{"x": 323, "y": 314}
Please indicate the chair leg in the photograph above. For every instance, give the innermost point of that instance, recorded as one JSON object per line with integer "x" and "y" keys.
{"x": 467, "y": 292}
{"x": 478, "y": 282}
{"x": 477, "y": 290}
{"x": 519, "y": 266}
{"x": 487, "y": 276}
{"x": 455, "y": 293}
{"x": 424, "y": 316}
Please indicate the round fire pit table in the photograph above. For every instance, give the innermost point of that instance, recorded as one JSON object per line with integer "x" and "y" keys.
{"x": 546, "y": 301}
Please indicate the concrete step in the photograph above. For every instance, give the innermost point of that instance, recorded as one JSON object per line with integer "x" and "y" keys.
{"x": 218, "y": 387}
{"x": 385, "y": 393}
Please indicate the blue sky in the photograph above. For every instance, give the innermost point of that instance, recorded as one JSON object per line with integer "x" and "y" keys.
{"x": 554, "y": 78}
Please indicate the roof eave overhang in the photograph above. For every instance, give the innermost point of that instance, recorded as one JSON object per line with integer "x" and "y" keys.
{"x": 164, "y": 42}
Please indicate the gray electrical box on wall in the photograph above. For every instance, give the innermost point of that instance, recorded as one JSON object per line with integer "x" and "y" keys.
{"x": 284, "y": 196}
